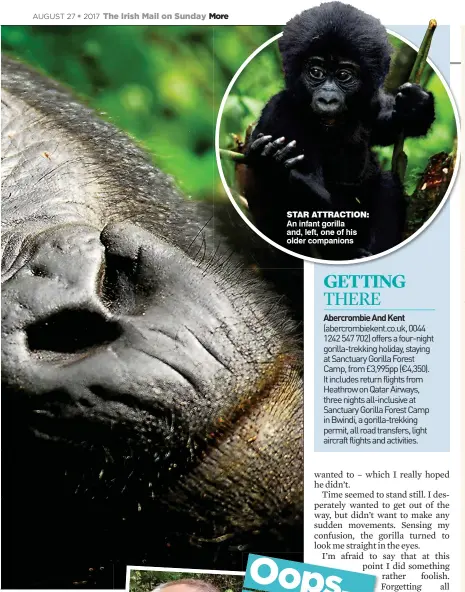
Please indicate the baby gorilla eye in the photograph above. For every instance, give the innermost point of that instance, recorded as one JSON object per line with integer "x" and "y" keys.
{"x": 344, "y": 75}
{"x": 317, "y": 73}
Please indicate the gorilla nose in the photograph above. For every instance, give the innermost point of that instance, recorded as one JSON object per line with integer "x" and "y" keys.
{"x": 328, "y": 103}
{"x": 117, "y": 315}
{"x": 53, "y": 297}
{"x": 72, "y": 289}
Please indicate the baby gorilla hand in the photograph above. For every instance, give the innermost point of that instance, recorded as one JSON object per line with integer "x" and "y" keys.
{"x": 414, "y": 109}
{"x": 275, "y": 155}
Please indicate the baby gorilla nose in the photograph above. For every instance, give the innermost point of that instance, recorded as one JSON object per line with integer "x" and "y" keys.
{"x": 328, "y": 103}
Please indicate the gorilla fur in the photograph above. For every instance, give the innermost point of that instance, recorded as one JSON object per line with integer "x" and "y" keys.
{"x": 336, "y": 25}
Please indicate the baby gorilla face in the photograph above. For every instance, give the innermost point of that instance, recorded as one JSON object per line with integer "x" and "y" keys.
{"x": 330, "y": 82}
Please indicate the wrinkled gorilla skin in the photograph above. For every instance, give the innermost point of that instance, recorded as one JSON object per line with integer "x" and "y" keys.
{"x": 152, "y": 396}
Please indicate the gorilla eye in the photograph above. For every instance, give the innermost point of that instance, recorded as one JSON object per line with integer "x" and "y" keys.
{"x": 317, "y": 73}
{"x": 344, "y": 75}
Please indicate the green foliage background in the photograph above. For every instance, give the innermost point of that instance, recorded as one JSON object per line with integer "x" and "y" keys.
{"x": 164, "y": 84}
{"x": 146, "y": 581}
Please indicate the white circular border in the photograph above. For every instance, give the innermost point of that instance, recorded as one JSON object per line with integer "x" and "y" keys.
{"x": 324, "y": 261}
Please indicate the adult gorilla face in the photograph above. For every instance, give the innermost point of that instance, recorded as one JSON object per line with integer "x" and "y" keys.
{"x": 152, "y": 391}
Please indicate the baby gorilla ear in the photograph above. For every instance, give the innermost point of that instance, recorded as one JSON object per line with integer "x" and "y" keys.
{"x": 414, "y": 109}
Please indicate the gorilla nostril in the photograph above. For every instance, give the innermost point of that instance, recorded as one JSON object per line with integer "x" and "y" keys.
{"x": 71, "y": 331}
{"x": 120, "y": 287}
{"x": 328, "y": 101}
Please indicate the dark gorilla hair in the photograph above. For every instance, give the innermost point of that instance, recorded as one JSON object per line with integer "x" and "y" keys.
{"x": 343, "y": 28}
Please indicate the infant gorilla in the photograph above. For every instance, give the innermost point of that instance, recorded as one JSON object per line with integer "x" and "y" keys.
{"x": 311, "y": 149}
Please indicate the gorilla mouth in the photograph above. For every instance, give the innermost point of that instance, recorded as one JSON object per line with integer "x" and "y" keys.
{"x": 332, "y": 121}
{"x": 329, "y": 121}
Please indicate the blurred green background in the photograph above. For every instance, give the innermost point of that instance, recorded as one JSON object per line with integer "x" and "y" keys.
{"x": 146, "y": 581}
{"x": 163, "y": 85}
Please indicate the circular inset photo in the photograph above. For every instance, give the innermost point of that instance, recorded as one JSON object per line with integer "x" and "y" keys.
{"x": 336, "y": 139}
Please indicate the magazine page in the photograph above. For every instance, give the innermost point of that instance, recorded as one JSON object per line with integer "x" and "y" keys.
{"x": 232, "y": 291}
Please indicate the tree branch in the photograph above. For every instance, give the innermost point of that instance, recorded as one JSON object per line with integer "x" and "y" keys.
{"x": 231, "y": 155}
{"x": 399, "y": 158}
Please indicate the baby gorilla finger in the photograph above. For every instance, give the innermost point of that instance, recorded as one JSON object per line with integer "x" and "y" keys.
{"x": 285, "y": 153}
{"x": 259, "y": 143}
{"x": 292, "y": 162}
{"x": 272, "y": 147}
